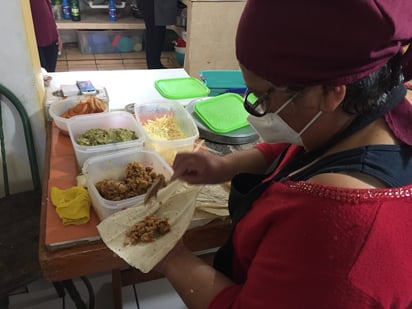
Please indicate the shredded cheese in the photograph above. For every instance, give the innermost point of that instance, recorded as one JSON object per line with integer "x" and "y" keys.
{"x": 164, "y": 128}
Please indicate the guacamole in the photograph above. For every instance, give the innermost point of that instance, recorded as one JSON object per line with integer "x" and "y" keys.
{"x": 94, "y": 137}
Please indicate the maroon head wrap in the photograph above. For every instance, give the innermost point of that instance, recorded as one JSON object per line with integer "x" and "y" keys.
{"x": 328, "y": 42}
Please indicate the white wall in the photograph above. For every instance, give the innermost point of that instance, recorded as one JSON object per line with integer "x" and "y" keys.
{"x": 20, "y": 72}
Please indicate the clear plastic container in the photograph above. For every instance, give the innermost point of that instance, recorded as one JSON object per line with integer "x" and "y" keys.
{"x": 109, "y": 41}
{"x": 167, "y": 148}
{"x": 112, "y": 166}
{"x": 58, "y": 108}
{"x": 111, "y": 120}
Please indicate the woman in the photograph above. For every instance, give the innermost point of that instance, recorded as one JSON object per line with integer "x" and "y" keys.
{"x": 47, "y": 37}
{"x": 322, "y": 210}
{"x": 157, "y": 14}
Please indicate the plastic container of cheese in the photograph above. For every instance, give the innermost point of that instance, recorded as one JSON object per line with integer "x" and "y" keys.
{"x": 175, "y": 129}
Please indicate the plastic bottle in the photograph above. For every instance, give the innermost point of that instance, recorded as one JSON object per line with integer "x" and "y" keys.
{"x": 66, "y": 9}
{"x": 75, "y": 10}
{"x": 112, "y": 10}
{"x": 57, "y": 9}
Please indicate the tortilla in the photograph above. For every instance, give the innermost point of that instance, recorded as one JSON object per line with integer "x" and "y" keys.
{"x": 178, "y": 207}
{"x": 213, "y": 199}
{"x": 216, "y": 211}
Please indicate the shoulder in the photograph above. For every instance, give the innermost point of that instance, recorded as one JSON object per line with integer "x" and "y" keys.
{"x": 345, "y": 180}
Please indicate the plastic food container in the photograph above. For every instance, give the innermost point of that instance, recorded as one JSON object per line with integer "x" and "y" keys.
{"x": 167, "y": 148}
{"x": 222, "y": 81}
{"x": 60, "y": 107}
{"x": 109, "y": 41}
{"x": 181, "y": 88}
{"x": 113, "y": 166}
{"x": 223, "y": 113}
{"x": 111, "y": 120}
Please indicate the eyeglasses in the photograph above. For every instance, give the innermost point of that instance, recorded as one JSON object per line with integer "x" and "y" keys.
{"x": 257, "y": 106}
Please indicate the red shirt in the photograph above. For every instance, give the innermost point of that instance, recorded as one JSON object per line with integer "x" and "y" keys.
{"x": 43, "y": 21}
{"x": 305, "y": 245}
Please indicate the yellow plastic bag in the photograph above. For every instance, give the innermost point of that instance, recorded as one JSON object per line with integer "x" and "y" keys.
{"x": 72, "y": 205}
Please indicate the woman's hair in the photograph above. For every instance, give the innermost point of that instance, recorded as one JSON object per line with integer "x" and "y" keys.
{"x": 372, "y": 91}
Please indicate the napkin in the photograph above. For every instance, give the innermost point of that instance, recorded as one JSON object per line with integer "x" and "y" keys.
{"x": 72, "y": 205}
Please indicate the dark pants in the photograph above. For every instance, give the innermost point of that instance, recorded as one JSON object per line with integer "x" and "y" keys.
{"x": 154, "y": 35}
{"x": 48, "y": 56}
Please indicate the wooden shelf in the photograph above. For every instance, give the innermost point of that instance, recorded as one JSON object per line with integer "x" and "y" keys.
{"x": 99, "y": 19}
{"x": 210, "y": 34}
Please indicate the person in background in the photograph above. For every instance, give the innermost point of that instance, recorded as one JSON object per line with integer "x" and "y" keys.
{"x": 48, "y": 40}
{"x": 322, "y": 209}
{"x": 157, "y": 14}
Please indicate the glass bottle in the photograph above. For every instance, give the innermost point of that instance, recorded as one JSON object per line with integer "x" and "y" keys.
{"x": 75, "y": 10}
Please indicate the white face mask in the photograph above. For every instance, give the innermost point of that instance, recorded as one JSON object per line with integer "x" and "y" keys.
{"x": 273, "y": 129}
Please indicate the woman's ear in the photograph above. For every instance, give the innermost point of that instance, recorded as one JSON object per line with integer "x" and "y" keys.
{"x": 333, "y": 97}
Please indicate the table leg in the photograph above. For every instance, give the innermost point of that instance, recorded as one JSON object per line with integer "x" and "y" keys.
{"x": 117, "y": 288}
{"x": 74, "y": 294}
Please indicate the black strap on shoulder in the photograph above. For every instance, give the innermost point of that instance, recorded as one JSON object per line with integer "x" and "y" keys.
{"x": 305, "y": 158}
{"x": 370, "y": 160}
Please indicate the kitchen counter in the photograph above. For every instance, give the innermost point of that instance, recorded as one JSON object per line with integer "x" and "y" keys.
{"x": 123, "y": 86}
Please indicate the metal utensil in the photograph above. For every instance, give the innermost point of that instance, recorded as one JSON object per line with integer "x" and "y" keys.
{"x": 157, "y": 184}
{"x": 154, "y": 188}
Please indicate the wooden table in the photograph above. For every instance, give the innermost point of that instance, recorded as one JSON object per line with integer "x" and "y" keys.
{"x": 79, "y": 250}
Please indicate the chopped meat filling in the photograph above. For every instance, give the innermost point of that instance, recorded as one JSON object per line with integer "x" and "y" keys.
{"x": 148, "y": 230}
{"x": 138, "y": 179}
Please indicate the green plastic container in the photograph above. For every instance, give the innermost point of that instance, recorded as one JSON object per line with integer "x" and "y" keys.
{"x": 223, "y": 113}
{"x": 181, "y": 88}
{"x": 222, "y": 81}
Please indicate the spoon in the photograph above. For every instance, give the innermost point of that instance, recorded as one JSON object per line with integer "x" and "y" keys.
{"x": 157, "y": 184}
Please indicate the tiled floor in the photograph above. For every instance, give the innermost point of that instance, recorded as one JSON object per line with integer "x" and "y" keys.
{"x": 73, "y": 60}
{"x": 156, "y": 294}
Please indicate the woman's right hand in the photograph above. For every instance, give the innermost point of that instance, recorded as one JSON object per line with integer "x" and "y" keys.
{"x": 201, "y": 168}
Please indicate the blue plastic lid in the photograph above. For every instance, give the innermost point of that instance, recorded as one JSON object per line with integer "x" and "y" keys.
{"x": 232, "y": 79}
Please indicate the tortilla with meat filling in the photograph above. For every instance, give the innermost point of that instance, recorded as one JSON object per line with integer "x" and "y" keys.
{"x": 177, "y": 207}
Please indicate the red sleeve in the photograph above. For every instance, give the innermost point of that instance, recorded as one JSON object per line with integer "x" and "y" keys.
{"x": 271, "y": 151}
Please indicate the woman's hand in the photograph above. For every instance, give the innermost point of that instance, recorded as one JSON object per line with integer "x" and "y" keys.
{"x": 201, "y": 168}
{"x": 206, "y": 168}
{"x": 60, "y": 44}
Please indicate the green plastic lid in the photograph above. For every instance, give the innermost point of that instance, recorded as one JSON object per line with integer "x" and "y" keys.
{"x": 181, "y": 88}
{"x": 223, "y": 113}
